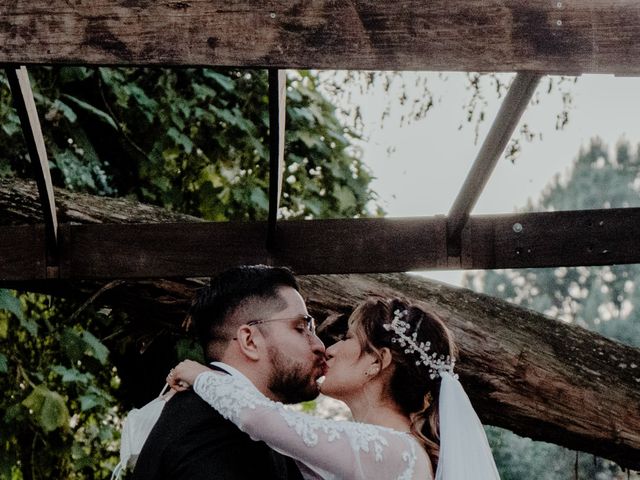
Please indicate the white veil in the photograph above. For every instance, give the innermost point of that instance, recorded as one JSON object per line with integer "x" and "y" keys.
{"x": 464, "y": 449}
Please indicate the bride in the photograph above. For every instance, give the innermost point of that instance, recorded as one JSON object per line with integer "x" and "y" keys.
{"x": 395, "y": 371}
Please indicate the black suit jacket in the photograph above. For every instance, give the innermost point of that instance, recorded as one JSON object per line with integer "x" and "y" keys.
{"x": 193, "y": 441}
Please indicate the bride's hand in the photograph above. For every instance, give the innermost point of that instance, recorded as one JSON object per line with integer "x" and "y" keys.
{"x": 184, "y": 374}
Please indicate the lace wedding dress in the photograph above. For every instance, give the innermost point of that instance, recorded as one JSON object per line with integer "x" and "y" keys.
{"x": 323, "y": 449}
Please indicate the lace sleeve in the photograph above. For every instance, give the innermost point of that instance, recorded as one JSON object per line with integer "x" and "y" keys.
{"x": 332, "y": 449}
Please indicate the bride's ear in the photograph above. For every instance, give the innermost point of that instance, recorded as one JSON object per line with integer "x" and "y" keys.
{"x": 380, "y": 362}
{"x": 248, "y": 342}
{"x": 385, "y": 358}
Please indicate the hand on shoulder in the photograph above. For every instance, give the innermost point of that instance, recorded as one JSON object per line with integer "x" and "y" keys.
{"x": 183, "y": 375}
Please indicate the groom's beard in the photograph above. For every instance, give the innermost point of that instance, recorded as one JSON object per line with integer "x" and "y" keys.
{"x": 290, "y": 380}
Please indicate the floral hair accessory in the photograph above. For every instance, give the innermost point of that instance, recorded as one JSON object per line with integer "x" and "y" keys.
{"x": 438, "y": 364}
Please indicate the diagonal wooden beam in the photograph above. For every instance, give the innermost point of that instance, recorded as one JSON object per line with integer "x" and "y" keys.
{"x": 512, "y": 108}
{"x": 277, "y": 116}
{"x": 25, "y": 105}
{"x": 113, "y": 251}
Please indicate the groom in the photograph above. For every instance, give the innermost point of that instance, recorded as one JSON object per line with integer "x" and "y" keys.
{"x": 251, "y": 320}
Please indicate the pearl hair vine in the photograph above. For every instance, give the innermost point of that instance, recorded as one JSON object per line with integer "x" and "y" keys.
{"x": 438, "y": 364}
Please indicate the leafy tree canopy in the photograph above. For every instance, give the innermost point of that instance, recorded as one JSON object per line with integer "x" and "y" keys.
{"x": 191, "y": 140}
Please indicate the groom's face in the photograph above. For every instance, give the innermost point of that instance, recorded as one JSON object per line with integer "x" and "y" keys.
{"x": 296, "y": 354}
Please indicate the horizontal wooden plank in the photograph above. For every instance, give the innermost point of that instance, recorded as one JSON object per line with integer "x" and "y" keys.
{"x": 362, "y": 245}
{"x": 179, "y": 250}
{"x": 160, "y": 250}
{"x": 23, "y": 253}
{"x": 111, "y": 251}
{"x": 579, "y": 36}
{"x": 586, "y": 237}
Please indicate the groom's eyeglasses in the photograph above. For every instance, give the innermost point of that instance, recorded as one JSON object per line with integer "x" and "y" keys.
{"x": 308, "y": 321}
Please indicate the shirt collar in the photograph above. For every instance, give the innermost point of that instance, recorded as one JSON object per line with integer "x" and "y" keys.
{"x": 232, "y": 371}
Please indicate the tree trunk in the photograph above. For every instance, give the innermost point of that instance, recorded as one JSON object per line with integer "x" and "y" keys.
{"x": 525, "y": 372}
{"x": 20, "y": 204}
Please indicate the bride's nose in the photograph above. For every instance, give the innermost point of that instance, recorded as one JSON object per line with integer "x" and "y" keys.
{"x": 330, "y": 351}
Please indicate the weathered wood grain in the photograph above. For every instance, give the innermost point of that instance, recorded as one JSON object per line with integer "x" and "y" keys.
{"x": 568, "y": 36}
{"x": 160, "y": 250}
{"x": 141, "y": 241}
{"x": 16, "y": 261}
{"x": 19, "y": 205}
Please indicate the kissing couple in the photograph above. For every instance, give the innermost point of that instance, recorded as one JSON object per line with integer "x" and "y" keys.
{"x": 394, "y": 369}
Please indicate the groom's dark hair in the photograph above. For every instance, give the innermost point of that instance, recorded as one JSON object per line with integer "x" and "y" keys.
{"x": 247, "y": 288}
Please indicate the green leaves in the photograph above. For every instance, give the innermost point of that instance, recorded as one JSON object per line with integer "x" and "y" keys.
{"x": 259, "y": 197}
{"x": 94, "y": 397}
{"x": 87, "y": 402}
{"x": 66, "y": 110}
{"x": 92, "y": 110}
{"x": 77, "y": 345}
{"x": 4, "y": 367}
{"x": 89, "y": 396}
{"x": 221, "y": 80}
{"x": 95, "y": 347}
{"x": 9, "y": 302}
{"x": 30, "y": 326}
{"x": 57, "y": 389}
{"x": 12, "y": 304}
{"x": 72, "y": 375}
{"x": 149, "y": 133}
{"x": 181, "y": 139}
{"x": 187, "y": 348}
{"x": 48, "y": 408}
{"x": 346, "y": 198}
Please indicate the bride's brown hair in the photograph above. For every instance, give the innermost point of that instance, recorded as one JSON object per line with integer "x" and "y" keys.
{"x": 411, "y": 386}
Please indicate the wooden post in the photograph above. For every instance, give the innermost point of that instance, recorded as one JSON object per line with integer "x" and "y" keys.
{"x": 26, "y": 107}
{"x": 277, "y": 117}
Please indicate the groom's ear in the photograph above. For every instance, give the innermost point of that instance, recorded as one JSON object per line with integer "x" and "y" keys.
{"x": 249, "y": 342}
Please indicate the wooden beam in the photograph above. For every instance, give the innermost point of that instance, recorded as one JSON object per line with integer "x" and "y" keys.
{"x": 23, "y": 253}
{"x": 112, "y": 251}
{"x": 512, "y": 108}
{"x": 26, "y": 107}
{"x": 277, "y": 117}
{"x": 568, "y": 37}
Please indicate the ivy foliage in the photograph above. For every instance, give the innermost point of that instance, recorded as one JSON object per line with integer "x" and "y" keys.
{"x": 60, "y": 416}
{"x": 191, "y": 140}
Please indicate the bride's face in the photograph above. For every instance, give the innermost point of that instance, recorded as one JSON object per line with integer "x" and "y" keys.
{"x": 347, "y": 364}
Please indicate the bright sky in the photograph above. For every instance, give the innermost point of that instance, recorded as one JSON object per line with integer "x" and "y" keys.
{"x": 420, "y": 167}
